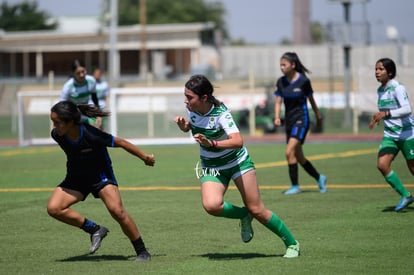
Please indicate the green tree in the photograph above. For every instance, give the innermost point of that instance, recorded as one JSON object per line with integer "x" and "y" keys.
{"x": 176, "y": 11}
{"x": 317, "y": 33}
{"x": 24, "y": 17}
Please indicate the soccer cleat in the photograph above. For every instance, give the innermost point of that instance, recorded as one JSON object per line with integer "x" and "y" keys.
{"x": 97, "y": 237}
{"x": 246, "y": 228}
{"x": 294, "y": 189}
{"x": 144, "y": 256}
{"x": 404, "y": 202}
{"x": 292, "y": 251}
{"x": 322, "y": 183}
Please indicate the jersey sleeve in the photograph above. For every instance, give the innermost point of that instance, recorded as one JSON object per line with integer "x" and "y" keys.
{"x": 278, "y": 91}
{"x": 64, "y": 95}
{"x": 226, "y": 121}
{"x": 99, "y": 136}
{"x": 105, "y": 88}
{"x": 403, "y": 102}
{"x": 307, "y": 88}
{"x": 92, "y": 85}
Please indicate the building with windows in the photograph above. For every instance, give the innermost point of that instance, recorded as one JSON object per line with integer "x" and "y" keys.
{"x": 172, "y": 49}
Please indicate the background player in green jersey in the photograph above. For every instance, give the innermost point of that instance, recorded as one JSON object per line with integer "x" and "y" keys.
{"x": 394, "y": 108}
{"x": 224, "y": 158}
{"x": 102, "y": 93}
{"x": 80, "y": 88}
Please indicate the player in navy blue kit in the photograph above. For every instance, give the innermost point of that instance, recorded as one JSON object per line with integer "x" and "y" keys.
{"x": 294, "y": 89}
{"x": 89, "y": 170}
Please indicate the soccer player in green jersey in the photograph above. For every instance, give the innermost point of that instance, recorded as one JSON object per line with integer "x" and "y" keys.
{"x": 223, "y": 158}
{"x": 394, "y": 108}
{"x": 80, "y": 88}
{"x": 102, "y": 93}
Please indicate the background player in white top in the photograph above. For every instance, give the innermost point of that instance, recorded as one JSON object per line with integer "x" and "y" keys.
{"x": 394, "y": 108}
{"x": 102, "y": 93}
{"x": 80, "y": 88}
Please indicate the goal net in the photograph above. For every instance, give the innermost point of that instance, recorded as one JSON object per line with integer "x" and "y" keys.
{"x": 34, "y": 124}
{"x": 144, "y": 116}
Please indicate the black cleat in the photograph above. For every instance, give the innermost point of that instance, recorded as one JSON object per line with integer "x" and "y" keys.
{"x": 144, "y": 256}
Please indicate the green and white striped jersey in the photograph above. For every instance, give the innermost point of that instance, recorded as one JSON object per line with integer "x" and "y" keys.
{"x": 78, "y": 93}
{"x": 217, "y": 124}
{"x": 393, "y": 97}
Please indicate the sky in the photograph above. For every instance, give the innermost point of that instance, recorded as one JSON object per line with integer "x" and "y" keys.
{"x": 270, "y": 21}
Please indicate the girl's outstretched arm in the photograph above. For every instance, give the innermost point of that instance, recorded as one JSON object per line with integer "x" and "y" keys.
{"x": 134, "y": 150}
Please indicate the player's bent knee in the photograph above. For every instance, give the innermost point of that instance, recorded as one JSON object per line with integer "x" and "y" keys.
{"x": 53, "y": 211}
{"x": 118, "y": 213}
{"x": 212, "y": 210}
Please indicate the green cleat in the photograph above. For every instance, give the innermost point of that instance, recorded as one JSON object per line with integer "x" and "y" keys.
{"x": 246, "y": 228}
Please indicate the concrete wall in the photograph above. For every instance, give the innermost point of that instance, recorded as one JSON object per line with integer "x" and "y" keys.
{"x": 323, "y": 61}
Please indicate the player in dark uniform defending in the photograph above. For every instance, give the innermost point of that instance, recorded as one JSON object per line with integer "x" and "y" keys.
{"x": 89, "y": 170}
{"x": 294, "y": 88}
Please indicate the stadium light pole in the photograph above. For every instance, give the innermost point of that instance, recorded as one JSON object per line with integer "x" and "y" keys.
{"x": 347, "y": 58}
{"x": 143, "y": 53}
{"x": 113, "y": 59}
{"x": 347, "y": 63}
{"x": 392, "y": 34}
{"x": 347, "y": 53}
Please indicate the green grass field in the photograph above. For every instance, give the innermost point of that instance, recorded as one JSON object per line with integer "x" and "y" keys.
{"x": 352, "y": 229}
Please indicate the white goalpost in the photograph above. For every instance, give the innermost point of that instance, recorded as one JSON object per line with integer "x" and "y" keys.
{"x": 34, "y": 124}
{"x": 144, "y": 116}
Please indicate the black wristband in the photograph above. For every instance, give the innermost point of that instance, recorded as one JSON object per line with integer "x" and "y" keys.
{"x": 387, "y": 114}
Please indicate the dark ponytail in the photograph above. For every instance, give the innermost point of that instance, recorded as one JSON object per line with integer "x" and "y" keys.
{"x": 292, "y": 57}
{"x": 200, "y": 85}
{"x": 69, "y": 111}
{"x": 76, "y": 64}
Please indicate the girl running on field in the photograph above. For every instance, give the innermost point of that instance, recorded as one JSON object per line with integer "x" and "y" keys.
{"x": 294, "y": 89}
{"x": 224, "y": 158}
{"x": 89, "y": 170}
{"x": 394, "y": 108}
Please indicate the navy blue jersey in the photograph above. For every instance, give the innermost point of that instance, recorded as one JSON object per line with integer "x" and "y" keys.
{"x": 295, "y": 96}
{"x": 87, "y": 158}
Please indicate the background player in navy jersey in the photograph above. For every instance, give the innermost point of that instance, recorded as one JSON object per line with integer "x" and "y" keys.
{"x": 89, "y": 170}
{"x": 225, "y": 158}
{"x": 294, "y": 89}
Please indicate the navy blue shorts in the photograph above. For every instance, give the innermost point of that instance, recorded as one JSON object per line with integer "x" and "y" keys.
{"x": 85, "y": 186}
{"x": 297, "y": 131}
